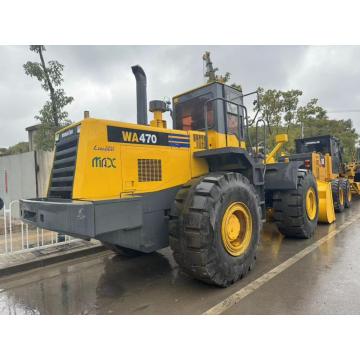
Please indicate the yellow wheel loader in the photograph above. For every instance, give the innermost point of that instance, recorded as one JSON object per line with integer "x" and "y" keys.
{"x": 198, "y": 187}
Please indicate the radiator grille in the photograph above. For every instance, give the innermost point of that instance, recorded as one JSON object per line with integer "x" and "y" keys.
{"x": 199, "y": 141}
{"x": 62, "y": 176}
{"x": 149, "y": 170}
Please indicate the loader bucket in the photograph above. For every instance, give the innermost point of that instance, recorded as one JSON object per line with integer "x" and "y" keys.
{"x": 326, "y": 204}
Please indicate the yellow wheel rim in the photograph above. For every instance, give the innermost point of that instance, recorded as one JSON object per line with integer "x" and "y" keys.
{"x": 236, "y": 228}
{"x": 311, "y": 204}
{"x": 341, "y": 196}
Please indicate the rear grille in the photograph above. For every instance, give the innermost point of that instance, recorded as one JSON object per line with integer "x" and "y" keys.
{"x": 62, "y": 176}
{"x": 149, "y": 170}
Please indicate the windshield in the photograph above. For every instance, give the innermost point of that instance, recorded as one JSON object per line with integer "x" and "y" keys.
{"x": 190, "y": 113}
{"x": 315, "y": 145}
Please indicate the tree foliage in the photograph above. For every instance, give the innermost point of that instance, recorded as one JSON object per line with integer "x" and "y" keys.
{"x": 18, "y": 148}
{"x": 278, "y": 107}
{"x": 282, "y": 113}
{"x": 211, "y": 75}
{"x": 52, "y": 116}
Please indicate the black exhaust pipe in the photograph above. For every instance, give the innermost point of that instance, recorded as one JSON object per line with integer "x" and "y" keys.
{"x": 141, "y": 98}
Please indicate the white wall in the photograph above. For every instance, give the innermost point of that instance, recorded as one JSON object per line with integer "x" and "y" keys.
{"x": 21, "y": 176}
{"x": 21, "y": 180}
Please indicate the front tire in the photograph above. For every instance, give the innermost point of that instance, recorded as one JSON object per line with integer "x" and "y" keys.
{"x": 214, "y": 227}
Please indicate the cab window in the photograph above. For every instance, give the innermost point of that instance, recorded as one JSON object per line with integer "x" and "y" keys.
{"x": 190, "y": 113}
{"x": 233, "y": 112}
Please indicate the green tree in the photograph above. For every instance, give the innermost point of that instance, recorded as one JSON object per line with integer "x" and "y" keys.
{"x": 270, "y": 105}
{"x": 290, "y": 101}
{"x": 52, "y": 115}
{"x": 281, "y": 111}
{"x": 278, "y": 107}
{"x": 308, "y": 113}
{"x": 18, "y": 148}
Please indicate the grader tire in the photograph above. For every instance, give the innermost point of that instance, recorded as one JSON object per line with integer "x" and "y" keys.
{"x": 291, "y": 215}
{"x": 345, "y": 184}
{"x": 338, "y": 195}
{"x": 196, "y": 226}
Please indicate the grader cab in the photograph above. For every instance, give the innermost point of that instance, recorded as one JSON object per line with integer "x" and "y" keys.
{"x": 198, "y": 187}
{"x": 324, "y": 154}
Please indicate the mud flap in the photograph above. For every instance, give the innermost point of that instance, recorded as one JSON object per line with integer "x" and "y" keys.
{"x": 326, "y": 203}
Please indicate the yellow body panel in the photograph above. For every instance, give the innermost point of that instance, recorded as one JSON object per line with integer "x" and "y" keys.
{"x": 109, "y": 170}
{"x": 322, "y": 170}
{"x": 217, "y": 140}
{"x": 326, "y": 204}
{"x": 319, "y": 168}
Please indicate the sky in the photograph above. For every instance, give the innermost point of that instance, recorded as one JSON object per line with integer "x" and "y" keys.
{"x": 100, "y": 78}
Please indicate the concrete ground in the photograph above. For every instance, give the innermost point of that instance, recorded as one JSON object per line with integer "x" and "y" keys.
{"x": 316, "y": 276}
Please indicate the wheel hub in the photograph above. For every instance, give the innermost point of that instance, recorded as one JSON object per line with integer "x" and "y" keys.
{"x": 233, "y": 228}
{"x": 311, "y": 204}
{"x": 236, "y": 228}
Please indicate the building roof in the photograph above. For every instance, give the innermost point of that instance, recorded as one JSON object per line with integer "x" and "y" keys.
{"x": 33, "y": 127}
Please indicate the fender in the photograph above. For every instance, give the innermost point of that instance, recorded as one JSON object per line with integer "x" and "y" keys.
{"x": 282, "y": 175}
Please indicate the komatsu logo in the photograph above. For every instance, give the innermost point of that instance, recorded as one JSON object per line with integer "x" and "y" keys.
{"x": 99, "y": 162}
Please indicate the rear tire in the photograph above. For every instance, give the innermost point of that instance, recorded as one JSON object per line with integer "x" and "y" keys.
{"x": 290, "y": 211}
{"x": 345, "y": 184}
{"x": 197, "y": 223}
{"x": 338, "y": 195}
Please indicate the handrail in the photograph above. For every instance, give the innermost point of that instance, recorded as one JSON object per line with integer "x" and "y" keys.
{"x": 256, "y": 136}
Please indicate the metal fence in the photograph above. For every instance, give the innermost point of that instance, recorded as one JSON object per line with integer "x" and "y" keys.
{"x": 17, "y": 236}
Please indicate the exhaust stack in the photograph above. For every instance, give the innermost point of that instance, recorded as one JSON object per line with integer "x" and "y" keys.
{"x": 141, "y": 98}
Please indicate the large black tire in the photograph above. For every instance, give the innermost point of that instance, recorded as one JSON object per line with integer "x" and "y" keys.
{"x": 338, "y": 199}
{"x": 195, "y": 227}
{"x": 119, "y": 250}
{"x": 289, "y": 206}
{"x": 345, "y": 184}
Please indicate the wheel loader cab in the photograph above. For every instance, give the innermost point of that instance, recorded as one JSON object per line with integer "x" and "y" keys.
{"x": 215, "y": 108}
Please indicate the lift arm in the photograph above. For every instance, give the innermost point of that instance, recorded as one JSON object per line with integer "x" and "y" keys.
{"x": 280, "y": 139}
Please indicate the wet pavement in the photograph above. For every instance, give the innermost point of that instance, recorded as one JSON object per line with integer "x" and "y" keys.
{"x": 326, "y": 281}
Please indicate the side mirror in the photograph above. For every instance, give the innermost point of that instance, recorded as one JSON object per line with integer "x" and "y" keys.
{"x": 1, "y": 203}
